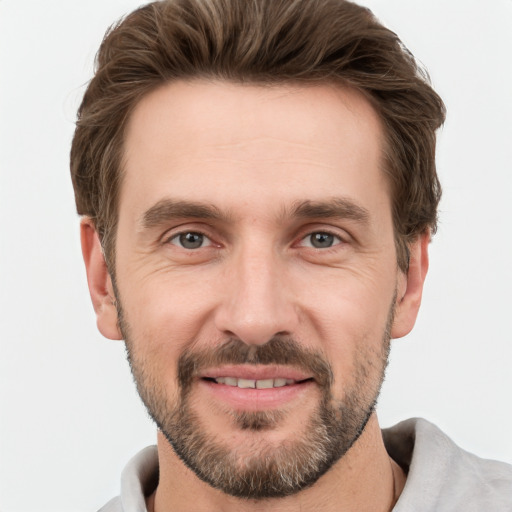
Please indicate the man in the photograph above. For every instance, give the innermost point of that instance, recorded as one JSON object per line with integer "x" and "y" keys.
{"x": 258, "y": 190}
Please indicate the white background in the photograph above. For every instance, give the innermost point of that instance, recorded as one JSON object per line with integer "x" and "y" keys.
{"x": 70, "y": 417}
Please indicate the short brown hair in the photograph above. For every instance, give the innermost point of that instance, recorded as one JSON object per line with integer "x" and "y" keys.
{"x": 259, "y": 41}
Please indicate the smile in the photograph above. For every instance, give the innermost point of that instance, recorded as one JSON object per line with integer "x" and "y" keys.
{"x": 253, "y": 383}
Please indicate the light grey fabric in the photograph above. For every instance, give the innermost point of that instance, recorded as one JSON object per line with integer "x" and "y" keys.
{"x": 138, "y": 479}
{"x": 441, "y": 476}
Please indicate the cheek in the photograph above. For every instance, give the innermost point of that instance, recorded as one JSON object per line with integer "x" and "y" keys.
{"x": 164, "y": 319}
{"x": 349, "y": 302}
{"x": 349, "y": 316}
{"x": 167, "y": 302}
{"x": 164, "y": 329}
{"x": 351, "y": 333}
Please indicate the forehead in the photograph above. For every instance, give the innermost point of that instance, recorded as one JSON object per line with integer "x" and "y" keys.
{"x": 215, "y": 141}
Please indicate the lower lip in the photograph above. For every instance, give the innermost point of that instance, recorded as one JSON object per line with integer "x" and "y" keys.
{"x": 250, "y": 399}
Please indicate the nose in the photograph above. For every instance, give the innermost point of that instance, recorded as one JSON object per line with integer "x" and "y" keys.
{"x": 257, "y": 301}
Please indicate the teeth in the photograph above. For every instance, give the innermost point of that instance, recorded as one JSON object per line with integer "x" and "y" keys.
{"x": 265, "y": 384}
{"x": 254, "y": 384}
{"x": 246, "y": 383}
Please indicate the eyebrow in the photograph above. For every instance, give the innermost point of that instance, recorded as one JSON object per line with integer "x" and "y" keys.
{"x": 169, "y": 209}
{"x": 337, "y": 207}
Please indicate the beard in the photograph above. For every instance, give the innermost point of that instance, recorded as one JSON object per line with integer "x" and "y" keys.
{"x": 261, "y": 469}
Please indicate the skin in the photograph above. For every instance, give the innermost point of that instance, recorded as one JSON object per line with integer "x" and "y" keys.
{"x": 254, "y": 153}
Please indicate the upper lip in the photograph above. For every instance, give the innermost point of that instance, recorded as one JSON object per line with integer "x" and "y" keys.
{"x": 256, "y": 372}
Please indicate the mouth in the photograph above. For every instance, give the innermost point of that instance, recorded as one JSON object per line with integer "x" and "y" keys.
{"x": 278, "y": 382}
{"x": 255, "y": 387}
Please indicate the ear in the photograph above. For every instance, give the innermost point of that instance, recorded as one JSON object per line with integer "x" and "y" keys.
{"x": 410, "y": 288}
{"x": 99, "y": 280}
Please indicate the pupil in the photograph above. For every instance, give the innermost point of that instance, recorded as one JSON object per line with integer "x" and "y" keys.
{"x": 322, "y": 240}
{"x": 191, "y": 240}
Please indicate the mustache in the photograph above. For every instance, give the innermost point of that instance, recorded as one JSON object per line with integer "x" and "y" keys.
{"x": 279, "y": 350}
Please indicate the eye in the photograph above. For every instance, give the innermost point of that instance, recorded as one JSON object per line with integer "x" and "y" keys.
{"x": 190, "y": 240}
{"x": 320, "y": 240}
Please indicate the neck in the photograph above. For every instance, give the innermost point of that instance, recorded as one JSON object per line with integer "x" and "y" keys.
{"x": 364, "y": 479}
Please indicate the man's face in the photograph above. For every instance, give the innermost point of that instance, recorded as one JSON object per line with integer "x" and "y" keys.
{"x": 256, "y": 276}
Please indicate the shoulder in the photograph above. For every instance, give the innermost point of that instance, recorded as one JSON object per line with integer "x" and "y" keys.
{"x": 443, "y": 477}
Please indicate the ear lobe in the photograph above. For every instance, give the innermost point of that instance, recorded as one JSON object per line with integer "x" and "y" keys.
{"x": 99, "y": 281}
{"x": 410, "y": 288}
